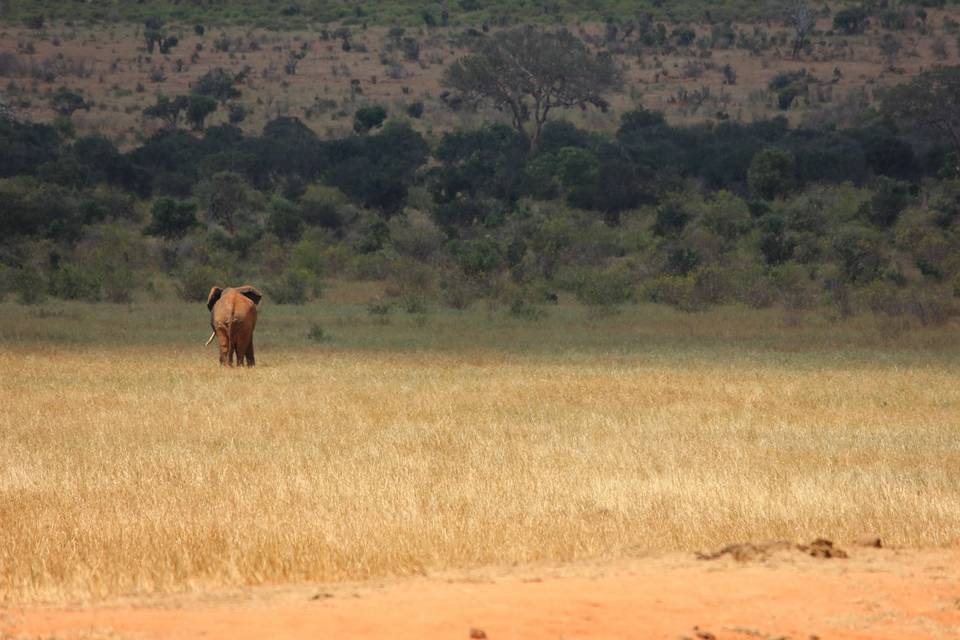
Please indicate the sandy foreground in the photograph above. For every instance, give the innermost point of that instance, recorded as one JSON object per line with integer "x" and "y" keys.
{"x": 779, "y": 593}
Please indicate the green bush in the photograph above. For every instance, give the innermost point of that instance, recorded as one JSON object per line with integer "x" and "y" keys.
{"x": 171, "y": 219}
{"x": 415, "y": 110}
{"x": 73, "y": 282}
{"x": 411, "y": 284}
{"x": 671, "y": 218}
{"x": 6, "y": 280}
{"x": 860, "y": 252}
{"x": 520, "y": 307}
{"x": 890, "y": 198}
{"x": 755, "y": 289}
{"x": 290, "y": 287}
{"x": 932, "y": 307}
{"x": 415, "y": 235}
{"x": 851, "y": 20}
{"x": 317, "y": 333}
{"x": 118, "y": 285}
{"x": 479, "y": 258}
{"x": 605, "y": 287}
{"x": 458, "y": 291}
{"x": 367, "y": 118}
{"x": 29, "y": 286}
{"x": 675, "y": 291}
{"x": 772, "y": 173}
{"x": 193, "y": 282}
{"x": 284, "y": 220}
{"x": 379, "y": 310}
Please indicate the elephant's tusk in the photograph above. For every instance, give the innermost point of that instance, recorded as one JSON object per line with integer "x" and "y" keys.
{"x": 212, "y": 335}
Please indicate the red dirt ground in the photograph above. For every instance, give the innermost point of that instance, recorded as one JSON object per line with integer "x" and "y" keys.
{"x": 874, "y": 594}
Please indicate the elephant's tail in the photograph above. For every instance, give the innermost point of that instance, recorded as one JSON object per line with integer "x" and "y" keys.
{"x": 230, "y": 339}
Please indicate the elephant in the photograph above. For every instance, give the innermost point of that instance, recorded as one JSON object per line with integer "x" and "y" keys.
{"x": 233, "y": 317}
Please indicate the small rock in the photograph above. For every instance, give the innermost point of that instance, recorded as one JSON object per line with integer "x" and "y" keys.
{"x": 321, "y": 596}
{"x": 823, "y": 548}
{"x": 703, "y": 635}
{"x": 477, "y": 634}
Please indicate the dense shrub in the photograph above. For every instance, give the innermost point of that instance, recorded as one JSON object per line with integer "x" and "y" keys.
{"x": 606, "y": 288}
{"x": 860, "y": 252}
{"x": 411, "y": 283}
{"x": 478, "y": 258}
{"x": 367, "y": 118}
{"x": 29, "y": 286}
{"x": 170, "y": 219}
{"x": 289, "y": 287}
{"x": 851, "y": 20}
{"x": 75, "y": 282}
{"x": 458, "y": 291}
{"x": 890, "y": 198}
{"x": 193, "y": 282}
{"x": 284, "y": 220}
{"x": 772, "y": 173}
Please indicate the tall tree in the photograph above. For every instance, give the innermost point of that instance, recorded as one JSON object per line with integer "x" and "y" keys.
{"x": 218, "y": 84}
{"x": 802, "y": 18}
{"x": 168, "y": 110}
{"x": 529, "y": 73}
{"x": 65, "y": 102}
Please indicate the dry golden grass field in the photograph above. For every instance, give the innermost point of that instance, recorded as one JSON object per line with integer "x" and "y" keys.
{"x": 109, "y": 65}
{"x": 131, "y": 463}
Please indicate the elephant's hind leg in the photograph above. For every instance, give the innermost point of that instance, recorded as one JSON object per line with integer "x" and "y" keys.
{"x": 223, "y": 340}
{"x": 251, "y": 361}
{"x": 235, "y": 351}
{"x": 243, "y": 348}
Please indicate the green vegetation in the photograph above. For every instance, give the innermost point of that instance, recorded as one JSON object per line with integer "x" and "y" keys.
{"x": 837, "y": 221}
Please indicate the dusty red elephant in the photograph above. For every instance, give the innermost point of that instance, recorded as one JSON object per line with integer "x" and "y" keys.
{"x": 233, "y": 317}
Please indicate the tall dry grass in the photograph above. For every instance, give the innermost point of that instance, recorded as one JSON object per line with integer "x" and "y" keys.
{"x": 147, "y": 469}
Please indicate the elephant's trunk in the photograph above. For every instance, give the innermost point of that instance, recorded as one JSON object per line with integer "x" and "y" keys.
{"x": 212, "y": 335}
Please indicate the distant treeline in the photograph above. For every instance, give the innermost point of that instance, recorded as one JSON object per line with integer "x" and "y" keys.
{"x": 756, "y": 213}
{"x": 467, "y": 169}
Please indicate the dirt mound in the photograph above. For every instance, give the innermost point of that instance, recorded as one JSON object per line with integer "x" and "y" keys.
{"x": 749, "y": 551}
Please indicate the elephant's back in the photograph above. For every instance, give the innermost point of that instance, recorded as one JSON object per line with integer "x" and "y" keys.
{"x": 240, "y": 306}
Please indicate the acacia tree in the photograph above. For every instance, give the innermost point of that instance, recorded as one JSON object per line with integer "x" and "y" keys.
{"x": 528, "y": 73}
{"x": 168, "y": 110}
{"x": 218, "y": 84}
{"x": 929, "y": 101}
{"x": 65, "y": 102}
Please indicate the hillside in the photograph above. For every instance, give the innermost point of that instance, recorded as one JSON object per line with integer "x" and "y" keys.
{"x": 322, "y": 74}
{"x": 758, "y": 163}
{"x": 293, "y": 13}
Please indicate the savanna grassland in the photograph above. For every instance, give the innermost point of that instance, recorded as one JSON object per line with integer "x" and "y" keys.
{"x": 404, "y": 444}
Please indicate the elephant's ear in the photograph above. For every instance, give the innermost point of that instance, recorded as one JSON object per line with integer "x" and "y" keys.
{"x": 250, "y": 292}
{"x": 213, "y": 297}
